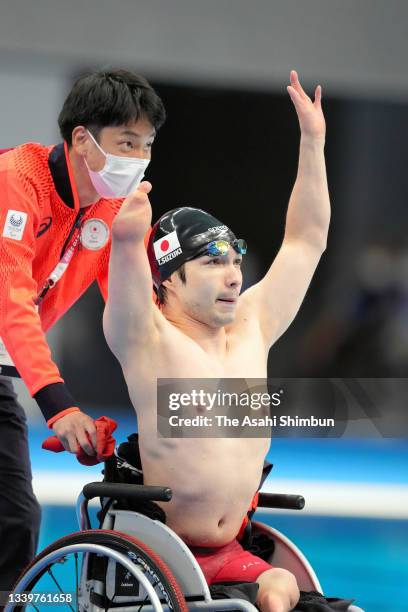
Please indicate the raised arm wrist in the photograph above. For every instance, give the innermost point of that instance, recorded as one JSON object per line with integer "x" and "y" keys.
{"x": 312, "y": 142}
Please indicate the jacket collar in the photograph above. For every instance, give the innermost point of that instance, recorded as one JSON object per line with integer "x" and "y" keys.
{"x": 62, "y": 175}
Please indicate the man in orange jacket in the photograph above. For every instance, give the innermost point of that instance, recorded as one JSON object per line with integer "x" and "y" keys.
{"x": 57, "y": 206}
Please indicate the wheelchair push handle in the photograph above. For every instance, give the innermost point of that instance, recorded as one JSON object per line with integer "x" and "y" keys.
{"x": 128, "y": 491}
{"x": 280, "y": 500}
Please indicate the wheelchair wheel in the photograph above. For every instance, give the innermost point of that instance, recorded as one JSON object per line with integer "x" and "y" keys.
{"x": 96, "y": 569}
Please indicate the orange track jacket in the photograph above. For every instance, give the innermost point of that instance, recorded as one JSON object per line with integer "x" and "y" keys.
{"x": 39, "y": 198}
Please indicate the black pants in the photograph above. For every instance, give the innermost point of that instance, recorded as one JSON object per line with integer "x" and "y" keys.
{"x": 20, "y": 513}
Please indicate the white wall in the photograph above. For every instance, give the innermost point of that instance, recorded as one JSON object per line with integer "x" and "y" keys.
{"x": 31, "y": 95}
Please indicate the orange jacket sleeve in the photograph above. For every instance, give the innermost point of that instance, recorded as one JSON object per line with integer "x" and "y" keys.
{"x": 20, "y": 324}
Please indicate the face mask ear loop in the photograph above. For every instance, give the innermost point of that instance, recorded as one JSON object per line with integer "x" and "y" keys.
{"x": 96, "y": 143}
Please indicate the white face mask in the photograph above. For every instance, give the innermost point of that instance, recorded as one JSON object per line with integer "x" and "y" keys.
{"x": 119, "y": 176}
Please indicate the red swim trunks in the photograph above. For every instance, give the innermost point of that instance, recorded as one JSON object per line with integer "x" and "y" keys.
{"x": 229, "y": 563}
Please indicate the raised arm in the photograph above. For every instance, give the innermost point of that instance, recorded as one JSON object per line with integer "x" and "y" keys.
{"x": 130, "y": 314}
{"x": 277, "y": 298}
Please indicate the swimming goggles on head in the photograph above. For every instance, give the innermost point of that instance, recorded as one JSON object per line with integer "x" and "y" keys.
{"x": 221, "y": 247}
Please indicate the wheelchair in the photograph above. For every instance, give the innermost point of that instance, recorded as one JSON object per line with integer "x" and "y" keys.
{"x": 135, "y": 562}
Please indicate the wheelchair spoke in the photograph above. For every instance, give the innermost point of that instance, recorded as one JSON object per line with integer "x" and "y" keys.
{"x": 94, "y": 556}
{"x": 76, "y": 582}
{"x": 146, "y": 599}
{"x": 59, "y": 587}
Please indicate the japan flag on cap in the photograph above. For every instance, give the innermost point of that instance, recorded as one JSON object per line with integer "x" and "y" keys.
{"x": 166, "y": 245}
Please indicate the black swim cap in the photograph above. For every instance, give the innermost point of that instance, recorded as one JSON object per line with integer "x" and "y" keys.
{"x": 179, "y": 236}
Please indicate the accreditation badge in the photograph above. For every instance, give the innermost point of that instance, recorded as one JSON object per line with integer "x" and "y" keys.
{"x": 94, "y": 234}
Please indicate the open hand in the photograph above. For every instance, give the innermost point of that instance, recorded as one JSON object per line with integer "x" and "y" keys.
{"x": 310, "y": 114}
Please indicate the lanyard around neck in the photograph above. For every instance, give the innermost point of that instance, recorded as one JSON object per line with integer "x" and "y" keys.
{"x": 67, "y": 254}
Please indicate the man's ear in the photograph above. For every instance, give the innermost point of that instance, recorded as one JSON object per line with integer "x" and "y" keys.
{"x": 169, "y": 284}
{"x": 80, "y": 139}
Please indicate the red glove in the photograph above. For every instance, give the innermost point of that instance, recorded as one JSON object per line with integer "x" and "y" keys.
{"x": 105, "y": 443}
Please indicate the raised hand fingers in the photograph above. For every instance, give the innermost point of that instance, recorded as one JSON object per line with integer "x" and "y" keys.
{"x": 296, "y": 87}
{"x": 295, "y": 83}
{"x": 318, "y": 97}
{"x": 294, "y": 95}
{"x": 145, "y": 186}
{"x": 140, "y": 195}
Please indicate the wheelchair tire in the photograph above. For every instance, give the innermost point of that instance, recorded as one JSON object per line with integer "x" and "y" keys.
{"x": 122, "y": 543}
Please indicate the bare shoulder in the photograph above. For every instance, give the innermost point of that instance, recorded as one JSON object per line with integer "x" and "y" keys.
{"x": 160, "y": 348}
{"x": 275, "y": 300}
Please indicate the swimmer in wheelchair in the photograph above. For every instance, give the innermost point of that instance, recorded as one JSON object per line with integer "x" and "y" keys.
{"x": 205, "y": 328}
{"x": 134, "y": 561}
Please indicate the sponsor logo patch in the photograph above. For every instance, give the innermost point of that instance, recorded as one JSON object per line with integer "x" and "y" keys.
{"x": 217, "y": 228}
{"x": 15, "y": 223}
{"x": 44, "y": 226}
{"x": 167, "y": 248}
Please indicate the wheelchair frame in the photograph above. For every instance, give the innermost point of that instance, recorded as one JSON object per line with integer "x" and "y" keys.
{"x": 170, "y": 548}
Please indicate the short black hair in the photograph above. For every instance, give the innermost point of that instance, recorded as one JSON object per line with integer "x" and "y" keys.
{"x": 161, "y": 298}
{"x": 109, "y": 98}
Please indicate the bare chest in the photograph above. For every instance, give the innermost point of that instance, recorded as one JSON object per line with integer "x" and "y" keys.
{"x": 245, "y": 357}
